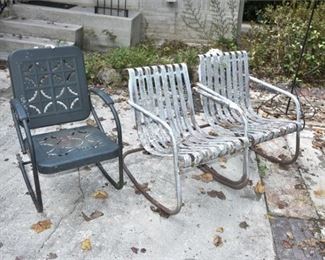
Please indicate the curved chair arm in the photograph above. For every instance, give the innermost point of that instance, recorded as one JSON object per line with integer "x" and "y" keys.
{"x": 20, "y": 116}
{"x": 286, "y": 93}
{"x": 210, "y": 94}
{"x": 19, "y": 109}
{"x": 159, "y": 121}
{"x": 108, "y": 101}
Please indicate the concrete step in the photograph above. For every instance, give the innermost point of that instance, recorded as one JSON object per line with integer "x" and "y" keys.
{"x": 42, "y": 29}
{"x": 11, "y": 42}
{"x": 3, "y": 56}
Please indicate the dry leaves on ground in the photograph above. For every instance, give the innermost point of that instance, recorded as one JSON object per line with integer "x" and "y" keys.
{"x": 289, "y": 235}
{"x": 86, "y": 245}
{"x": 90, "y": 122}
{"x": 243, "y": 225}
{"x": 144, "y": 187}
{"x": 160, "y": 212}
{"x": 94, "y": 215}
{"x": 213, "y": 133}
{"x": 287, "y": 244}
{"x": 259, "y": 187}
{"x": 100, "y": 194}
{"x": 42, "y": 225}
{"x": 320, "y": 193}
{"x": 219, "y": 194}
{"x": 220, "y": 229}
{"x": 319, "y": 139}
{"x": 205, "y": 177}
{"x": 217, "y": 241}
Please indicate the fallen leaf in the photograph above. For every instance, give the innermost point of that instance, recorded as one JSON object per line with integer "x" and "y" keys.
{"x": 268, "y": 216}
{"x": 287, "y": 244}
{"x": 94, "y": 215}
{"x": 243, "y": 225}
{"x": 144, "y": 187}
{"x": 289, "y": 235}
{"x": 42, "y": 225}
{"x": 299, "y": 186}
{"x": 100, "y": 194}
{"x": 135, "y": 249}
{"x": 259, "y": 187}
{"x": 202, "y": 190}
{"x": 160, "y": 212}
{"x": 220, "y": 229}
{"x": 51, "y": 256}
{"x": 217, "y": 241}
{"x": 282, "y": 204}
{"x": 205, "y": 177}
{"x": 90, "y": 122}
{"x": 87, "y": 168}
{"x": 86, "y": 245}
{"x": 85, "y": 216}
{"x": 213, "y": 133}
{"x": 320, "y": 193}
{"x": 219, "y": 194}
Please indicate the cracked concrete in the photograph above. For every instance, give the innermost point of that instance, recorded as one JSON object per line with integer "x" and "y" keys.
{"x": 128, "y": 223}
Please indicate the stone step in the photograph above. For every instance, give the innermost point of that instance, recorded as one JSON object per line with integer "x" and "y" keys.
{"x": 11, "y": 42}
{"x": 42, "y": 29}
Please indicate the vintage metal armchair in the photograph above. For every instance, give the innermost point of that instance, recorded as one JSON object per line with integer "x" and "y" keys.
{"x": 50, "y": 88}
{"x": 164, "y": 112}
{"x": 226, "y": 75}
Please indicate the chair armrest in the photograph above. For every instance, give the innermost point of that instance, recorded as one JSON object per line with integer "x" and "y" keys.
{"x": 159, "y": 121}
{"x": 210, "y": 94}
{"x": 103, "y": 95}
{"x": 20, "y": 117}
{"x": 108, "y": 101}
{"x": 286, "y": 93}
{"x": 19, "y": 110}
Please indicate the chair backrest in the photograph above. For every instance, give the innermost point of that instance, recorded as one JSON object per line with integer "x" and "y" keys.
{"x": 227, "y": 74}
{"x": 165, "y": 91}
{"x": 51, "y": 84}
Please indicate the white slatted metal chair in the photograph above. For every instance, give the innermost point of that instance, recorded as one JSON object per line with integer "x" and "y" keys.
{"x": 164, "y": 112}
{"x": 226, "y": 75}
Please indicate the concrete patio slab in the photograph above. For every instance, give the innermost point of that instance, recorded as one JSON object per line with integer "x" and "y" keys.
{"x": 128, "y": 228}
{"x": 125, "y": 227}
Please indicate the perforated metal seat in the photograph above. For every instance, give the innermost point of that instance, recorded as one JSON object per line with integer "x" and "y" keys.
{"x": 164, "y": 111}
{"x": 72, "y": 148}
{"x": 50, "y": 88}
{"x": 226, "y": 75}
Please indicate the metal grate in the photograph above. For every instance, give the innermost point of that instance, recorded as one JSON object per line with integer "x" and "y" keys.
{"x": 112, "y": 7}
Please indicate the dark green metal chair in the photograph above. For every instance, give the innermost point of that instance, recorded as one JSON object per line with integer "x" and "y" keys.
{"x": 50, "y": 88}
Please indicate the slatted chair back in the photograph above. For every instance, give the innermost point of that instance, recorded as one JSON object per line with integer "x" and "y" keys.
{"x": 166, "y": 92}
{"x": 227, "y": 74}
{"x": 51, "y": 84}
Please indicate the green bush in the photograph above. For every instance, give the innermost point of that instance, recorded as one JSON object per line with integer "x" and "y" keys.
{"x": 142, "y": 55}
{"x": 275, "y": 44}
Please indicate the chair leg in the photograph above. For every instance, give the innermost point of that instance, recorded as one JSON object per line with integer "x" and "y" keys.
{"x": 281, "y": 161}
{"x": 35, "y": 195}
{"x": 155, "y": 202}
{"x": 238, "y": 184}
{"x": 117, "y": 185}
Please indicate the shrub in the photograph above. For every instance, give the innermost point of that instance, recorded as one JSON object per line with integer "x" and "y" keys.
{"x": 275, "y": 44}
{"x": 142, "y": 55}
